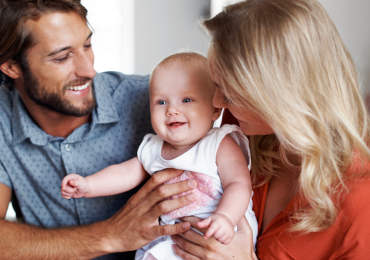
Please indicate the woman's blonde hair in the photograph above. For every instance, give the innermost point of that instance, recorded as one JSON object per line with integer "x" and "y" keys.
{"x": 284, "y": 60}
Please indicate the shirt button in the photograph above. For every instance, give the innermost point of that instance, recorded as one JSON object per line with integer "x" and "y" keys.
{"x": 67, "y": 147}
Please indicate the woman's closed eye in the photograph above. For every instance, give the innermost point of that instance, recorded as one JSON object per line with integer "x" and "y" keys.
{"x": 226, "y": 99}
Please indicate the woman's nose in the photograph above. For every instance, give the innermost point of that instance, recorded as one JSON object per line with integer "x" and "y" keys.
{"x": 219, "y": 99}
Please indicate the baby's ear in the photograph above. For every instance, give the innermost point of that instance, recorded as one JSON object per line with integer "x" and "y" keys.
{"x": 216, "y": 113}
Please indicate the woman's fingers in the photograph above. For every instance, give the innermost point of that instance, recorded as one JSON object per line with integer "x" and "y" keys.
{"x": 194, "y": 223}
{"x": 184, "y": 255}
{"x": 185, "y": 245}
{"x": 191, "y": 244}
{"x": 245, "y": 230}
{"x": 243, "y": 225}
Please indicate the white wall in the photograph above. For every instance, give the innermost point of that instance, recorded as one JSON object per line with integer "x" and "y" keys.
{"x": 113, "y": 41}
{"x": 352, "y": 20}
{"x": 163, "y": 27}
{"x": 133, "y": 35}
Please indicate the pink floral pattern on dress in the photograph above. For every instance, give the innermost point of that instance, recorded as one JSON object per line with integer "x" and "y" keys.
{"x": 205, "y": 193}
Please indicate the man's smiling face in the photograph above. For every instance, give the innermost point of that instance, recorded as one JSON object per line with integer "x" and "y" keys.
{"x": 58, "y": 69}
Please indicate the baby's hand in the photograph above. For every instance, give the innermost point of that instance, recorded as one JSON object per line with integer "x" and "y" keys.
{"x": 74, "y": 185}
{"x": 220, "y": 226}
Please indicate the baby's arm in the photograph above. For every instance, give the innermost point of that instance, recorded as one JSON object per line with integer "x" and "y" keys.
{"x": 112, "y": 180}
{"x": 236, "y": 182}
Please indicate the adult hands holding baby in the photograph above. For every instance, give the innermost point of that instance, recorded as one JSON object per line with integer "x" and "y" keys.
{"x": 136, "y": 224}
{"x": 192, "y": 246}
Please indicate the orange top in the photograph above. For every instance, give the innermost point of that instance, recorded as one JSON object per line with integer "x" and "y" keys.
{"x": 347, "y": 238}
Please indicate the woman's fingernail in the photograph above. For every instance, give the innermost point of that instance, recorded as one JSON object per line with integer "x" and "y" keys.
{"x": 191, "y": 196}
{"x": 192, "y": 183}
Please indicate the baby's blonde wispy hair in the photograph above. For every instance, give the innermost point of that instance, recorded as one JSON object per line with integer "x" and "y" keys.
{"x": 284, "y": 60}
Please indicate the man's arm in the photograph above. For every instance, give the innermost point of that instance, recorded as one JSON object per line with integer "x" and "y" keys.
{"x": 132, "y": 227}
{"x": 5, "y": 196}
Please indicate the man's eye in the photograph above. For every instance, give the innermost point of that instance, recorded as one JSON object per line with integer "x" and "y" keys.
{"x": 161, "y": 102}
{"x": 62, "y": 58}
{"x": 186, "y": 100}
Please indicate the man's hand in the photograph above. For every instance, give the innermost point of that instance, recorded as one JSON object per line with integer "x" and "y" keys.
{"x": 74, "y": 186}
{"x": 219, "y": 226}
{"x": 136, "y": 224}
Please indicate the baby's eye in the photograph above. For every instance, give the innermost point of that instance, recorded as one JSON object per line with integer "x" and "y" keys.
{"x": 161, "y": 102}
{"x": 187, "y": 100}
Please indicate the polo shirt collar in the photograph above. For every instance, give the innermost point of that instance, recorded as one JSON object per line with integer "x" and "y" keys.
{"x": 105, "y": 112}
{"x": 24, "y": 127}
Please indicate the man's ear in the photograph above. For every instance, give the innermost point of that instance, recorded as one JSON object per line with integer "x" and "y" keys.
{"x": 216, "y": 113}
{"x": 11, "y": 68}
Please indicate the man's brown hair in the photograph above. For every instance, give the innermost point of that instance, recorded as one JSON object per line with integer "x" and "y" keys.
{"x": 15, "y": 37}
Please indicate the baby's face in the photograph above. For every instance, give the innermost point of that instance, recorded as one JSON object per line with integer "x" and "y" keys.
{"x": 181, "y": 103}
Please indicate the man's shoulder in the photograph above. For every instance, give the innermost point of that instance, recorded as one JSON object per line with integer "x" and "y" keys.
{"x": 129, "y": 93}
{"x": 113, "y": 80}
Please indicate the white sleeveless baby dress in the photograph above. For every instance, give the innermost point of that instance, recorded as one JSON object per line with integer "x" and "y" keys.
{"x": 198, "y": 163}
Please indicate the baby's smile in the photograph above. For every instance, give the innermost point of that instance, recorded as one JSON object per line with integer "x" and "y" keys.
{"x": 176, "y": 124}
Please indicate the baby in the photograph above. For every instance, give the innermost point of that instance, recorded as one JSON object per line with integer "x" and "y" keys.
{"x": 182, "y": 114}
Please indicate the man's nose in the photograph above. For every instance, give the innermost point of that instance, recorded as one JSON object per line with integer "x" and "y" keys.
{"x": 84, "y": 63}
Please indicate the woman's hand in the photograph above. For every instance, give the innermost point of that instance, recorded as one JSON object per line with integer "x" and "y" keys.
{"x": 136, "y": 224}
{"x": 192, "y": 246}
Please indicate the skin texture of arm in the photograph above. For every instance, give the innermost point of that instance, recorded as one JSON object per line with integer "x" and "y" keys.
{"x": 235, "y": 177}
{"x": 112, "y": 180}
{"x": 192, "y": 246}
{"x": 133, "y": 226}
{"x": 5, "y": 195}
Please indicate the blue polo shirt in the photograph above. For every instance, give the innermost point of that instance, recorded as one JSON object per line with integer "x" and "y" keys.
{"x": 33, "y": 163}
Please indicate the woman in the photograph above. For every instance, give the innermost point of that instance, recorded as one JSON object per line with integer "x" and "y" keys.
{"x": 283, "y": 72}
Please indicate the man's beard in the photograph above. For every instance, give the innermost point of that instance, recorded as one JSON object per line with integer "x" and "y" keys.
{"x": 54, "y": 101}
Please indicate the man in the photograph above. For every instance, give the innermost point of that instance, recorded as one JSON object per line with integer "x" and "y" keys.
{"x": 57, "y": 116}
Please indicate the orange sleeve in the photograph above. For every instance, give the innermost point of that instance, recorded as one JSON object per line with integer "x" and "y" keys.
{"x": 356, "y": 241}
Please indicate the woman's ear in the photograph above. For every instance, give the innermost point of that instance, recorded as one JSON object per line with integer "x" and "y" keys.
{"x": 11, "y": 68}
{"x": 216, "y": 113}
